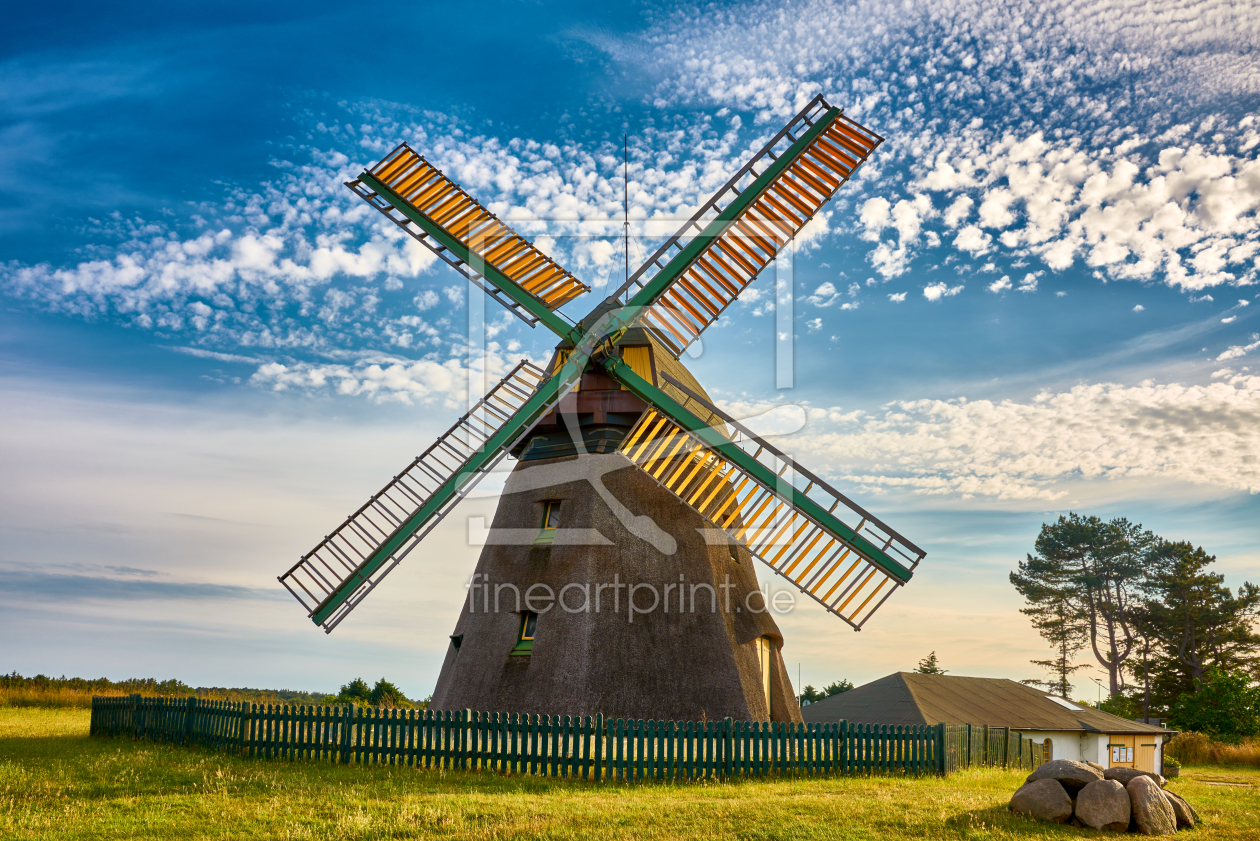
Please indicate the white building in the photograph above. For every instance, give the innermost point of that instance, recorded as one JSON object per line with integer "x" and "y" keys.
{"x": 1068, "y": 730}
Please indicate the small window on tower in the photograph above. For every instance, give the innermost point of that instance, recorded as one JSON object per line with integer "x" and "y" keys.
{"x": 550, "y": 520}
{"x": 734, "y": 554}
{"x": 525, "y": 636}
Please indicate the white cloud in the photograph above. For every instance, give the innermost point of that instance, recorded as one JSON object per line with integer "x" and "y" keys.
{"x": 1184, "y": 217}
{"x": 1175, "y": 203}
{"x": 825, "y": 295}
{"x": 1229, "y": 320}
{"x": 936, "y": 291}
{"x": 772, "y": 68}
{"x": 1029, "y": 283}
{"x": 384, "y": 379}
{"x": 995, "y": 210}
{"x": 1138, "y": 308}
{"x": 1236, "y": 351}
{"x": 1037, "y": 449}
{"x": 1060, "y": 294}
{"x": 897, "y": 297}
{"x": 874, "y": 216}
{"x": 814, "y": 324}
{"x": 1000, "y": 285}
{"x": 958, "y": 211}
{"x": 973, "y": 240}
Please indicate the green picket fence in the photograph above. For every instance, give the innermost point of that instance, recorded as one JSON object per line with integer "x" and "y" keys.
{"x": 586, "y": 747}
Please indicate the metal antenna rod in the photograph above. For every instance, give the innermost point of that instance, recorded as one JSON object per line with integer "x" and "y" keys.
{"x": 625, "y": 195}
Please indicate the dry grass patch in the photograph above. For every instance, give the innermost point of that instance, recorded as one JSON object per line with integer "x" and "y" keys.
{"x": 1197, "y": 749}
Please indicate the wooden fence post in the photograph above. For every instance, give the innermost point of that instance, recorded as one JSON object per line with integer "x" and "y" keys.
{"x": 247, "y": 720}
{"x": 598, "y": 747}
{"x": 727, "y": 744}
{"x": 347, "y": 724}
{"x": 465, "y": 722}
{"x": 189, "y": 706}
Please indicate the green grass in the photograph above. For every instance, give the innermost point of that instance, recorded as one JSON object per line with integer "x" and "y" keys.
{"x": 55, "y": 782}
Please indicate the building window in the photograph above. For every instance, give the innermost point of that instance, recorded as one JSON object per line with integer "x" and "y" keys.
{"x": 765, "y": 658}
{"x": 525, "y": 636}
{"x": 1047, "y": 750}
{"x": 734, "y": 553}
{"x": 550, "y": 520}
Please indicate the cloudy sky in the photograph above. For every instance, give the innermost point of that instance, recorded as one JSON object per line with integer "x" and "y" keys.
{"x": 1039, "y": 296}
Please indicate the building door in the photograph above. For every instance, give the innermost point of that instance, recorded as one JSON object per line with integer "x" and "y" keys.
{"x": 1121, "y": 751}
{"x": 1145, "y": 754}
{"x": 765, "y": 659}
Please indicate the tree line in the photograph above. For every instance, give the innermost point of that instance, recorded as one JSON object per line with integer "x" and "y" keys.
{"x": 50, "y": 689}
{"x": 1175, "y": 642}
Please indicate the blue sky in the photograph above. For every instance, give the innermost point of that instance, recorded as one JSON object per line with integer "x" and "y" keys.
{"x": 1040, "y": 295}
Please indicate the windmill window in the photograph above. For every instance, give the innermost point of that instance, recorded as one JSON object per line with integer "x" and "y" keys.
{"x": 734, "y": 554}
{"x": 1047, "y": 750}
{"x": 550, "y": 521}
{"x": 525, "y": 636}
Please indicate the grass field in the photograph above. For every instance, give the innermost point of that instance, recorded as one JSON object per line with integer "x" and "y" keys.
{"x": 55, "y": 782}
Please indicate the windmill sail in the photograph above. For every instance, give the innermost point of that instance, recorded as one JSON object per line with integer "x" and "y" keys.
{"x": 331, "y": 579}
{"x": 699, "y": 272}
{"x": 439, "y": 214}
{"x": 783, "y": 514}
{"x": 828, "y": 547}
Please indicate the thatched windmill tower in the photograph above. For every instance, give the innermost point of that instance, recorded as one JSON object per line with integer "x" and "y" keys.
{"x": 619, "y": 577}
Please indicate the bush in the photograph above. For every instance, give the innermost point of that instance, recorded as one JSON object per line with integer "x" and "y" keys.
{"x": 384, "y": 694}
{"x": 1226, "y": 708}
{"x": 1125, "y": 706}
{"x": 354, "y": 692}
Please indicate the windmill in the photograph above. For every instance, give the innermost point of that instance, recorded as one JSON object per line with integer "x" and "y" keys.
{"x": 615, "y": 423}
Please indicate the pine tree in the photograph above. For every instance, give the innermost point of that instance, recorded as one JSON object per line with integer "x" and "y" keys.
{"x": 1092, "y": 571}
{"x": 929, "y": 666}
{"x": 1197, "y": 621}
{"x": 1059, "y": 628}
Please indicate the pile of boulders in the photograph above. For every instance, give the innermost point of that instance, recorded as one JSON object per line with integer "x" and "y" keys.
{"x": 1118, "y": 799}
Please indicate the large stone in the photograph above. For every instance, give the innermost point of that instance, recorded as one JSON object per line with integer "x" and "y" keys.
{"x": 1073, "y": 775}
{"x": 1095, "y": 766}
{"x": 1104, "y": 804}
{"x": 1123, "y": 775}
{"x": 1045, "y": 800}
{"x": 1187, "y": 817}
{"x": 1152, "y": 812}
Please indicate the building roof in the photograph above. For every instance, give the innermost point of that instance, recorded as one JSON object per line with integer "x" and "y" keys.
{"x": 913, "y": 698}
